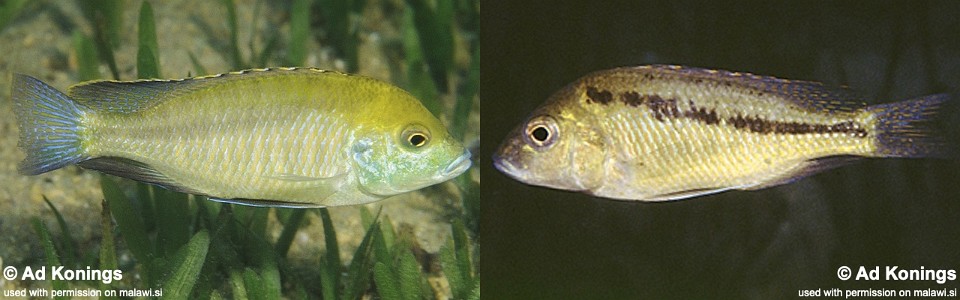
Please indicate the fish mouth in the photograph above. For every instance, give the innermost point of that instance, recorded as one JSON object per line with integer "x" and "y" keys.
{"x": 505, "y": 167}
{"x": 457, "y": 166}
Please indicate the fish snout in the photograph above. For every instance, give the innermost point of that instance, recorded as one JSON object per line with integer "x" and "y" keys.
{"x": 457, "y": 166}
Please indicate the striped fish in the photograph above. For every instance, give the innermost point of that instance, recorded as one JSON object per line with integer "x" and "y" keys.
{"x": 657, "y": 133}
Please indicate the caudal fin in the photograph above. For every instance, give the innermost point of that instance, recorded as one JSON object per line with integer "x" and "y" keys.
{"x": 49, "y": 123}
{"x": 905, "y": 128}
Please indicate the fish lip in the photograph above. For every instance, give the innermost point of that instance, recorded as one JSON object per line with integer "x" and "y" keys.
{"x": 505, "y": 167}
{"x": 458, "y": 165}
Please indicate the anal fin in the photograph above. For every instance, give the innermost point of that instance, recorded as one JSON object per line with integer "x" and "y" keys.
{"x": 135, "y": 170}
{"x": 804, "y": 169}
{"x": 688, "y": 194}
{"x": 267, "y": 203}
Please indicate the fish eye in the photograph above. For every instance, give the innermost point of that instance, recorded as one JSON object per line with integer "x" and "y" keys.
{"x": 417, "y": 139}
{"x": 541, "y": 132}
{"x": 415, "y": 136}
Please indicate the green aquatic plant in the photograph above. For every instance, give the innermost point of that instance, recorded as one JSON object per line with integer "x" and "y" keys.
{"x": 185, "y": 259}
{"x": 299, "y": 32}
{"x": 52, "y": 257}
{"x": 10, "y": 9}
{"x": 258, "y": 57}
{"x": 435, "y": 33}
{"x": 148, "y": 62}
{"x": 105, "y": 16}
{"x": 341, "y": 26}
{"x": 87, "y": 60}
{"x": 418, "y": 79}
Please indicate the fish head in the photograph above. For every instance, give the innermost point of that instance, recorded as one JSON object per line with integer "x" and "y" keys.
{"x": 558, "y": 146}
{"x": 407, "y": 151}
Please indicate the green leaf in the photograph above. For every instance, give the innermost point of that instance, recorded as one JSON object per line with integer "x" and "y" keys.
{"x": 148, "y": 60}
{"x": 389, "y": 234}
{"x": 462, "y": 244}
{"x": 187, "y": 263}
{"x": 419, "y": 83}
{"x": 237, "y": 283}
{"x": 127, "y": 219}
{"x": 146, "y": 64}
{"x": 290, "y": 228}
{"x": 436, "y": 37}
{"x": 9, "y": 11}
{"x": 105, "y": 17}
{"x": 234, "y": 35}
{"x": 358, "y": 274}
{"x": 197, "y": 67}
{"x": 87, "y": 62}
{"x": 465, "y": 96}
{"x": 387, "y": 284}
{"x": 451, "y": 270}
{"x": 268, "y": 50}
{"x": 69, "y": 245}
{"x": 471, "y": 201}
{"x": 330, "y": 265}
{"x": 338, "y": 16}
{"x": 329, "y": 280}
{"x": 173, "y": 220}
{"x": 409, "y": 275}
{"x": 50, "y": 252}
{"x": 108, "y": 252}
{"x": 144, "y": 202}
{"x": 268, "y": 275}
{"x": 455, "y": 257}
{"x": 366, "y": 218}
{"x": 299, "y": 31}
{"x": 475, "y": 293}
{"x": 254, "y": 285}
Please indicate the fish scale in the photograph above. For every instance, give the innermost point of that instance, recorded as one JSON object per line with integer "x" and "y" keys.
{"x": 659, "y": 133}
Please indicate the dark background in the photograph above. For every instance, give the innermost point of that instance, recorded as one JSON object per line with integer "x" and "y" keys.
{"x": 548, "y": 244}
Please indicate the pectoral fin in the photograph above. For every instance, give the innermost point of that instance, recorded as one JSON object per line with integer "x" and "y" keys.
{"x": 314, "y": 189}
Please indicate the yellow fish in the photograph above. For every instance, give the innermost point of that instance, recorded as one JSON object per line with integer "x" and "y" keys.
{"x": 657, "y": 133}
{"x": 288, "y": 137}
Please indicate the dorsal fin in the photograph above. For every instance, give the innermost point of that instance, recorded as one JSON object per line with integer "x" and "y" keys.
{"x": 126, "y": 96}
{"x": 806, "y": 94}
{"x": 132, "y": 96}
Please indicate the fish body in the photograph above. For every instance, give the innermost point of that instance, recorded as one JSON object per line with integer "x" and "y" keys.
{"x": 289, "y": 137}
{"x": 657, "y": 133}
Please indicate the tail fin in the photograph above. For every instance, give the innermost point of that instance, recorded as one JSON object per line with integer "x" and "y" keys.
{"x": 49, "y": 123}
{"x": 905, "y": 128}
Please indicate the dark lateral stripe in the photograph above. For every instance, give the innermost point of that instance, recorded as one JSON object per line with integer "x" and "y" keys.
{"x": 764, "y": 126}
{"x": 702, "y": 114}
{"x": 599, "y": 96}
{"x": 667, "y": 108}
